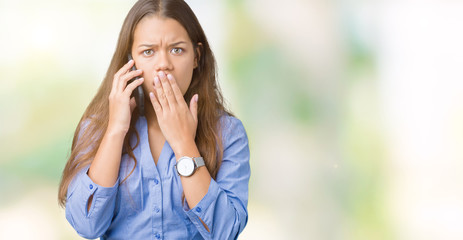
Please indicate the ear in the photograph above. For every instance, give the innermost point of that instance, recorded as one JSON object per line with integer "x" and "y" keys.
{"x": 198, "y": 54}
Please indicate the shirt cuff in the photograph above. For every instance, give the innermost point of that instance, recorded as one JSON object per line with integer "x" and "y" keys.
{"x": 202, "y": 208}
{"x": 93, "y": 188}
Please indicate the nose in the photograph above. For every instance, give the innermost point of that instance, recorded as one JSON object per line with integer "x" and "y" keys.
{"x": 163, "y": 62}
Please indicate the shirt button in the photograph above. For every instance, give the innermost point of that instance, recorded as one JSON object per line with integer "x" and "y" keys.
{"x": 156, "y": 209}
{"x": 157, "y": 235}
{"x": 90, "y": 186}
{"x": 198, "y": 209}
{"x": 156, "y": 181}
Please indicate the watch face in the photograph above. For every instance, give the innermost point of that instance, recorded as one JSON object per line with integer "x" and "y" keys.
{"x": 185, "y": 166}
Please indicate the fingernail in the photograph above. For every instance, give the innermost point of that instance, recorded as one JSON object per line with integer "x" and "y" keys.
{"x": 156, "y": 80}
{"x": 196, "y": 98}
{"x": 141, "y": 79}
{"x": 161, "y": 74}
{"x": 170, "y": 77}
{"x": 151, "y": 95}
{"x": 131, "y": 60}
{"x": 139, "y": 70}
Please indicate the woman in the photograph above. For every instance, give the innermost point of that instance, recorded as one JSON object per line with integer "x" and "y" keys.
{"x": 177, "y": 170}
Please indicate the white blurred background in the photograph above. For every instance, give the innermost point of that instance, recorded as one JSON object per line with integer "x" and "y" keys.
{"x": 354, "y": 111}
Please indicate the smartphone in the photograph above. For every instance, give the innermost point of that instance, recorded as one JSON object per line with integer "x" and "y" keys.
{"x": 138, "y": 93}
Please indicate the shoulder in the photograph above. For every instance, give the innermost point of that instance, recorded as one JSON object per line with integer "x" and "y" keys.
{"x": 232, "y": 129}
{"x": 230, "y": 123}
{"x": 88, "y": 129}
{"x": 85, "y": 123}
{"x": 92, "y": 123}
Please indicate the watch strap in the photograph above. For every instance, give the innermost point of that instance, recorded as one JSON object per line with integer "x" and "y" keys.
{"x": 199, "y": 162}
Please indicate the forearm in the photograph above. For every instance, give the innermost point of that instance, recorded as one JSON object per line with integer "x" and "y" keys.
{"x": 223, "y": 210}
{"x": 195, "y": 186}
{"x": 104, "y": 169}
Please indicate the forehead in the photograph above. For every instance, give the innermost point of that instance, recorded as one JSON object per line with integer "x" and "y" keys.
{"x": 155, "y": 29}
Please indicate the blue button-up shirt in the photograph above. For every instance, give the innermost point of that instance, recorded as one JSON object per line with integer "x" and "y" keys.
{"x": 148, "y": 204}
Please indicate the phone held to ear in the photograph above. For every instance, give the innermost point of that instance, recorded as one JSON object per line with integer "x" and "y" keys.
{"x": 138, "y": 93}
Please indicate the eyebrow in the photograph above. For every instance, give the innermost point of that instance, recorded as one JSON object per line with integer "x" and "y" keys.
{"x": 152, "y": 45}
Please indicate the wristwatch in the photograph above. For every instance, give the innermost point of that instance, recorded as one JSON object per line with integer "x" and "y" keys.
{"x": 186, "y": 166}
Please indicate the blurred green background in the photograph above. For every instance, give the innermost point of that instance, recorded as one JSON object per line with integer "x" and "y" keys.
{"x": 353, "y": 109}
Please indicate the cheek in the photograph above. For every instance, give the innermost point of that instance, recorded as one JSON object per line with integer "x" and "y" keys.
{"x": 148, "y": 83}
{"x": 184, "y": 76}
{"x": 147, "y": 86}
{"x": 184, "y": 80}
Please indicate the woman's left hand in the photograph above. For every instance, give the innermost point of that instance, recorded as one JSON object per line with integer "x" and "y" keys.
{"x": 178, "y": 123}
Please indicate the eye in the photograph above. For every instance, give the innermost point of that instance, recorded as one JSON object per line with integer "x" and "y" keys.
{"x": 176, "y": 51}
{"x": 148, "y": 52}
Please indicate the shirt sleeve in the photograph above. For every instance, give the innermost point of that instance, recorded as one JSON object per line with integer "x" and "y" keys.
{"x": 94, "y": 222}
{"x": 224, "y": 208}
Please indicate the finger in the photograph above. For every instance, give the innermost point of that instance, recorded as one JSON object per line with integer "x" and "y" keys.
{"x": 124, "y": 79}
{"x": 119, "y": 73}
{"x": 194, "y": 107}
{"x": 167, "y": 89}
{"x": 156, "y": 106}
{"x": 129, "y": 89}
{"x": 178, "y": 94}
{"x": 161, "y": 96}
{"x": 133, "y": 104}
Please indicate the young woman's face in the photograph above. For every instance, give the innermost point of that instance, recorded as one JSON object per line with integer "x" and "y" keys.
{"x": 162, "y": 44}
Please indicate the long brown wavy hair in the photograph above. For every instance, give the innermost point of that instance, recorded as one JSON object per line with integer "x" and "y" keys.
{"x": 94, "y": 122}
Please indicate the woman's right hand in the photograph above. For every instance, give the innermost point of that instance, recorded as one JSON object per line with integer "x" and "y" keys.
{"x": 120, "y": 103}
